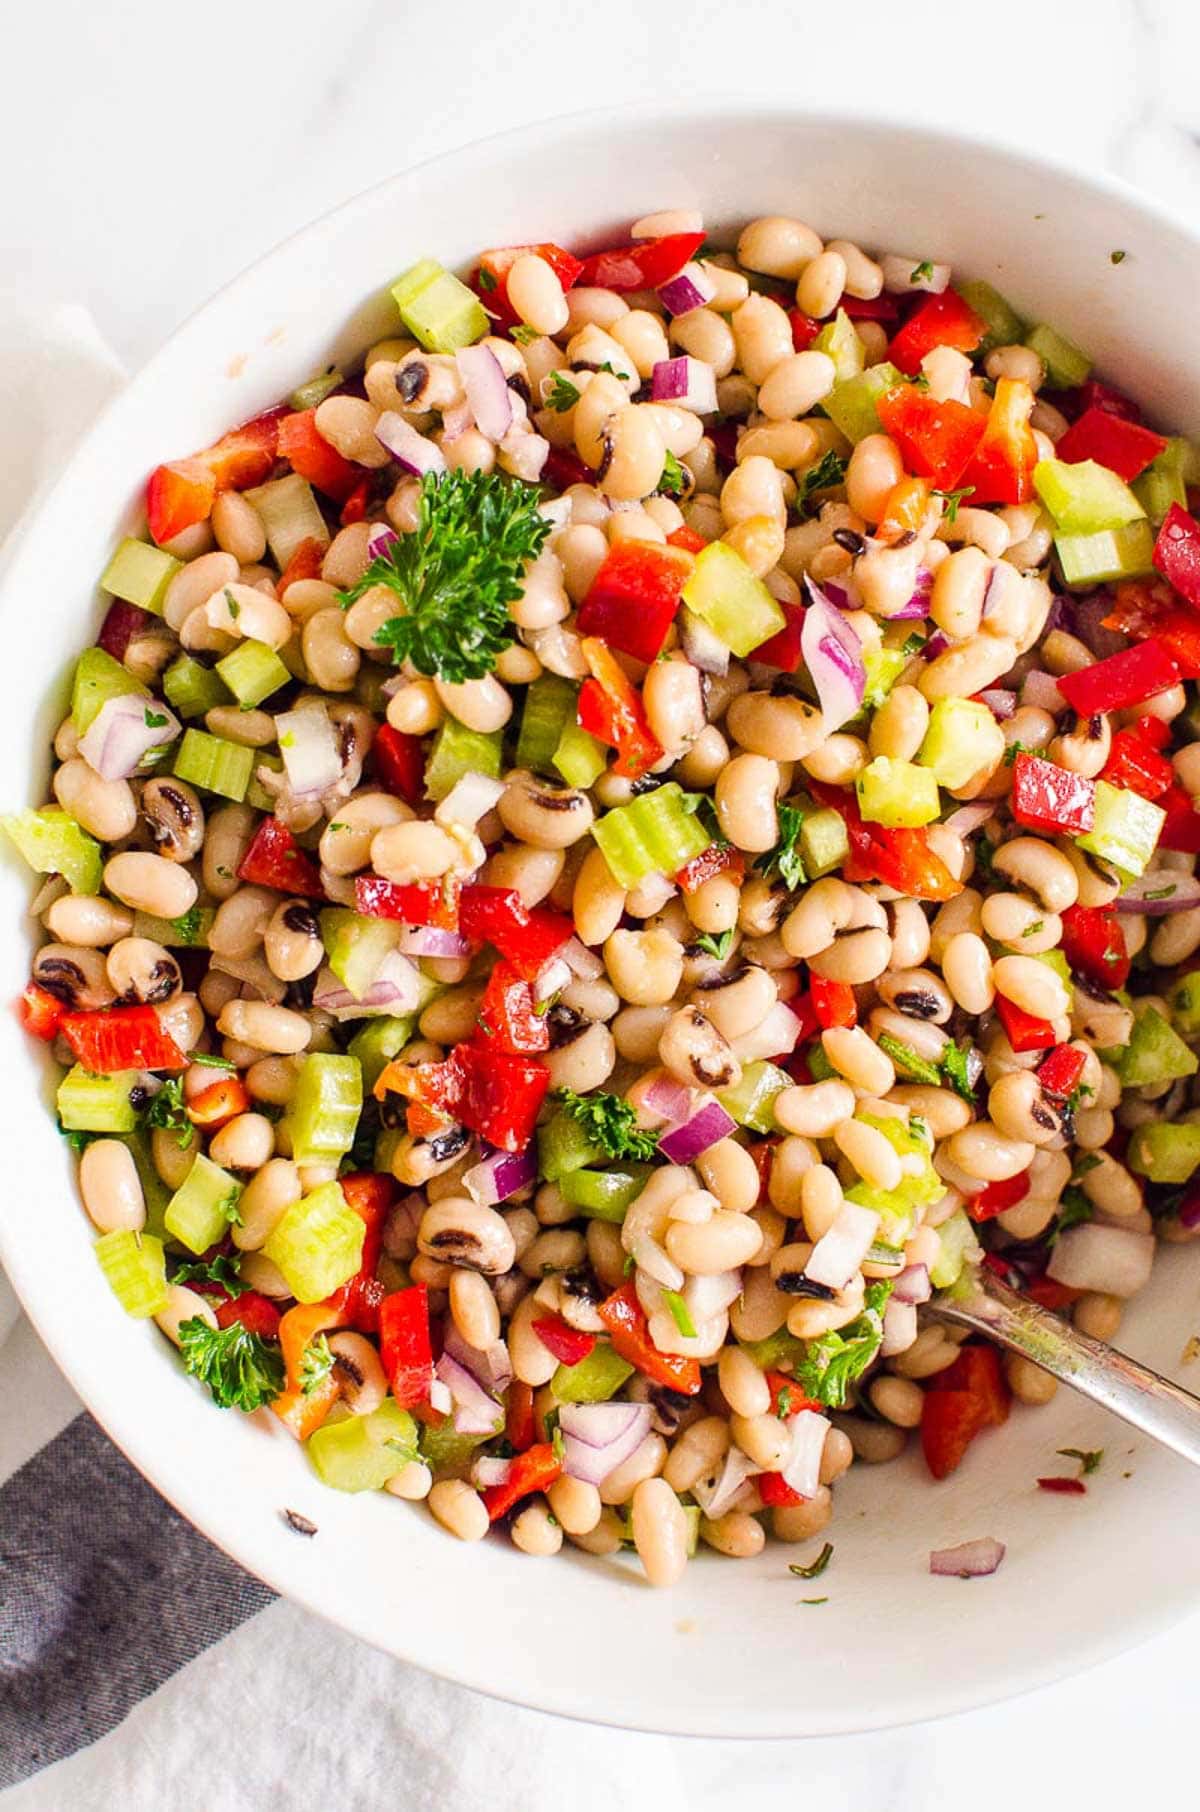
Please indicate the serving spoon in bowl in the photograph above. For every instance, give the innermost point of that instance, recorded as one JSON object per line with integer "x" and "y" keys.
{"x": 1132, "y": 1391}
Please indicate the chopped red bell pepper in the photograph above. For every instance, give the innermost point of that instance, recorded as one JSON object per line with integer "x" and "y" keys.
{"x": 787, "y": 1399}
{"x": 1181, "y": 830}
{"x": 763, "y": 1155}
{"x": 1093, "y": 393}
{"x": 803, "y": 1007}
{"x": 490, "y": 280}
{"x": 40, "y": 1012}
{"x": 275, "y": 859}
{"x": 569, "y": 1345}
{"x": 405, "y": 1345}
{"x": 775, "y": 1491}
{"x": 121, "y": 1038}
{"x": 222, "y": 1101}
{"x": 998, "y": 1197}
{"x": 686, "y": 538}
{"x": 718, "y": 859}
{"x": 1137, "y": 768}
{"x": 257, "y": 1314}
{"x": 646, "y": 264}
{"x": 610, "y": 708}
{"x": 432, "y": 903}
{"x": 529, "y": 937}
{"x": 310, "y": 454}
{"x": 1064, "y": 1486}
{"x": 1177, "y": 552}
{"x": 1094, "y": 945}
{"x": 356, "y": 505}
{"x": 502, "y": 1095}
{"x": 178, "y": 496}
{"x": 1142, "y": 609}
{"x": 305, "y": 563}
{"x": 507, "y": 1014}
{"x": 871, "y": 308}
{"x": 833, "y": 1003}
{"x": 1051, "y": 1294}
{"x": 398, "y": 763}
{"x": 977, "y": 1370}
{"x": 944, "y": 320}
{"x": 1112, "y": 441}
{"x": 936, "y": 440}
{"x": 1059, "y": 1073}
{"x": 534, "y": 1470}
{"x": 804, "y": 329}
{"x": 1153, "y": 730}
{"x": 1123, "y": 680}
{"x": 782, "y": 649}
{"x": 950, "y": 1420}
{"x": 519, "y": 1427}
{"x": 632, "y": 601}
{"x": 1002, "y": 469}
{"x": 370, "y": 1193}
{"x": 900, "y": 858}
{"x": 904, "y": 511}
{"x": 624, "y": 1317}
{"x": 1051, "y": 799}
{"x": 1025, "y": 1032}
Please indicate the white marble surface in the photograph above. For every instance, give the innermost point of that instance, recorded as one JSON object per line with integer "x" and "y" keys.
{"x": 151, "y": 150}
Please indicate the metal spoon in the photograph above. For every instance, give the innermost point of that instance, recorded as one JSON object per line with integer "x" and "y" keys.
{"x": 1132, "y": 1391}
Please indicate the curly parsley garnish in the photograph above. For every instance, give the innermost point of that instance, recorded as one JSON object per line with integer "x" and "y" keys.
{"x": 221, "y": 1270}
{"x": 239, "y": 1368}
{"x": 610, "y": 1122}
{"x": 785, "y": 860}
{"x": 837, "y": 1360}
{"x": 167, "y": 1112}
{"x": 457, "y": 573}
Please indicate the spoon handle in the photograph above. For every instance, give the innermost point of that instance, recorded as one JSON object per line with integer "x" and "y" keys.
{"x": 1129, "y": 1390}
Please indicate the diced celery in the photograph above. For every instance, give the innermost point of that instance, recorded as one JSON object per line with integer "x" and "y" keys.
{"x": 447, "y": 1453}
{"x": 252, "y": 671}
{"x": 1054, "y": 959}
{"x": 313, "y": 391}
{"x": 657, "y": 833}
{"x": 897, "y": 793}
{"x": 54, "y": 844}
{"x": 377, "y": 1043}
{"x": 201, "y": 1209}
{"x": 140, "y": 574}
{"x": 1066, "y": 366}
{"x": 1124, "y": 553}
{"x": 325, "y": 1107}
{"x": 1185, "y": 1004}
{"x": 357, "y": 945}
{"x": 317, "y": 1244}
{"x": 290, "y": 515}
{"x": 386, "y": 1146}
{"x": 750, "y": 1101}
{"x": 819, "y": 1066}
{"x": 97, "y": 1103}
{"x": 839, "y": 341}
{"x": 563, "y": 1146}
{"x": 958, "y": 1247}
{"x": 256, "y": 793}
{"x": 579, "y": 758}
{"x": 1155, "y": 1052}
{"x": 824, "y": 842}
{"x": 214, "y": 765}
{"x": 731, "y": 598}
{"x": 438, "y": 310}
{"x": 549, "y": 707}
{"x": 850, "y": 405}
{"x": 457, "y": 751}
{"x": 603, "y": 1195}
{"x": 364, "y": 1452}
{"x": 1004, "y": 324}
{"x": 193, "y": 689}
{"x": 884, "y": 667}
{"x": 1125, "y": 829}
{"x": 1085, "y": 499}
{"x": 1165, "y": 1154}
{"x": 774, "y": 1350}
{"x": 188, "y": 933}
{"x": 97, "y": 679}
{"x": 1164, "y": 481}
{"x": 951, "y": 749}
{"x": 136, "y": 1270}
{"x": 594, "y": 1379}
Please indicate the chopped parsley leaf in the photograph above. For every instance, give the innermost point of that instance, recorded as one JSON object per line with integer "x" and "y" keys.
{"x": 1117, "y": 257}
{"x": 1089, "y": 1458}
{"x": 812, "y": 1601}
{"x": 905, "y": 1058}
{"x": 525, "y": 336}
{"x": 674, "y": 480}
{"x": 154, "y": 719}
{"x": 829, "y": 471}
{"x": 716, "y": 943}
{"x": 486, "y": 279}
{"x": 784, "y": 860}
{"x": 235, "y": 609}
{"x": 1018, "y": 748}
{"x": 221, "y": 1270}
{"x": 609, "y": 1122}
{"x": 922, "y": 272}
{"x": 952, "y": 499}
{"x": 315, "y": 1365}
{"x": 166, "y": 1111}
{"x": 836, "y": 1360}
{"x": 1032, "y": 930}
{"x": 816, "y": 1567}
{"x": 955, "y": 1073}
{"x": 240, "y": 1369}
{"x": 1074, "y": 1209}
{"x": 562, "y": 394}
{"x": 187, "y": 925}
{"x": 210, "y": 1062}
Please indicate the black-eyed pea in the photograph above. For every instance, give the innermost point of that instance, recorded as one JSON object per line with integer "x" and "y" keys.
{"x": 713, "y": 906}
{"x": 731, "y": 1174}
{"x": 762, "y": 334}
{"x": 838, "y": 760}
{"x": 412, "y": 852}
{"x": 875, "y": 1443}
{"x": 871, "y": 1154}
{"x": 783, "y": 729}
{"x": 111, "y": 1188}
{"x": 754, "y": 488}
{"x": 745, "y": 797}
{"x": 856, "y": 1056}
{"x": 646, "y": 1462}
{"x": 243, "y": 1143}
{"x": 943, "y": 1111}
{"x": 721, "y": 1243}
{"x": 968, "y": 970}
{"x": 821, "y": 284}
{"x": 674, "y": 703}
{"x": 737, "y": 1002}
{"x": 778, "y": 246}
{"x": 238, "y": 529}
{"x": 88, "y": 920}
{"x": 150, "y": 884}
{"x": 1098, "y": 1314}
{"x": 1111, "y": 1187}
{"x": 1027, "y": 1381}
{"x": 791, "y": 1160}
{"x": 183, "y": 1305}
{"x": 982, "y": 1150}
{"x": 821, "y": 1199}
{"x": 637, "y": 1031}
{"x": 264, "y": 1027}
{"x": 1031, "y": 985}
{"x": 459, "y": 1509}
{"x": 645, "y": 967}
{"x": 229, "y": 833}
{"x": 660, "y": 1531}
{"x": 1020, "y": 1110}
{"x": 814, "y": 1110}
{"x": 331, "y": 657}
{"x": 762, "y": 1438}
{"x": 737, "y": 1534}
{"x": 802, "y": 1522}
{"x": 910, "y": 934}
{"x": 139, "y": 969}
{"x": 796, "y": 385}
{"x": 743, "y": 1384}
{"x": 858, "y": 956}
{"x": 543, "y": 814}
{"x": 534, "y": 1530}
{"x": 585, "y": 1062}
{"x": 696, "y": 1053}
{"x": 106, "y": 808}
{"x": 969, "y": 667}
{"x": 195, "y": 583}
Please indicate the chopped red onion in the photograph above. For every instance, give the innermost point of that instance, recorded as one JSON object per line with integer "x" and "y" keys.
{"x": 500, "y": 1174}
{"x": 917, "y": 607}
{"x": 1109, "y": 1259}
{"x": 396, "y": 989}
{"x": 668, "y": 1100}
{"x": 439, "y": 1397}
{"x": 801, "y": 1467}
{"x": 683, "y": 1144}
{"x": 475, "y": 1412}
{"x": 970, "y": 1560}
{"x": 121, "y": 734}
{"x": 455, "y": 422}
{"x": 908, "y": 276}
{"x": 488, "y": 1469}
{"x": 488, "y": 394}
{"x": 775, "y": 1036}
{"x": 968, "y": 818}
{"x": 122, "y": 622}
{"x": 840, "y": 1251}
{"x": 1041, "y": 690}
{"x": 650, "y": 1257}
{"x": 469, "y": 800}
{"x": 490, "y": 1367}
{"x": 937, "y": 644}
{"x": 689, "y": 382}
{"x": 833, "y": 655}
{"x": 581, "y": 961}
{"x": 556, "y": 976}
{"x": 999, "y": 701}
{"x": 702, "y": 645}
{"x": 1160, "y": 891}
{"x": 899, "y": 1327}
{"x": 599, "y": 1437}
{"x": 431, "y": 940}
{"x": 1188, "y": 1212}
{"x": 526, "y": 453}
{"x": 716, "y": 1494}
{"x": 913, "y": 1285}
{"x": 692, "y": 288}
{"x": 408, "y": 448}
{"x": 653, "y": 892}
{"x": 309, "y": 746}
{"x": 379, "y": 540}
{"x": 1089, "y": 614}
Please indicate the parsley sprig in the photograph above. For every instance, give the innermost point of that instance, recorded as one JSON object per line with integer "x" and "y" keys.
{"x": 785, "y": 860}
{"x": 166, "y": 1111}
{"x": 952, "y": 499}
{"x": 239, "y": 1368}
{"x": 457, "y": 573}
{"x": 610, "y": 1122}
{"x": 837, "y": 1360}
{"x": 828, "y": 472}
{"x": 716, "y": 943}
{"x": 221, "y": 1270}
{"x": 562, "y": 394}
{"x": 315, "y": 1365}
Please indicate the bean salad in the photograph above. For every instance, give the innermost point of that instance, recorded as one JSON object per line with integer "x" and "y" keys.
{"x": 606, "y": 853}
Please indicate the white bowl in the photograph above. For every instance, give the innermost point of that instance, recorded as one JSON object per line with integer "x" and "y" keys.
{"x": 731, "y": 1651}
